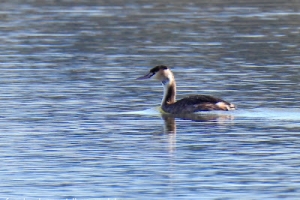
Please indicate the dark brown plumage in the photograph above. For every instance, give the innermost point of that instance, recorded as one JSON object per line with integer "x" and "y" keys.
{"x": 195, "y": 103}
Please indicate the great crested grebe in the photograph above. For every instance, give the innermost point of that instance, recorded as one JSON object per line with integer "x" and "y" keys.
{"x": 188, "y": 104}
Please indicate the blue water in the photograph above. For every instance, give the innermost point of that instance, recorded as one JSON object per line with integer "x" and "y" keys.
{"x": 75, "y": 124}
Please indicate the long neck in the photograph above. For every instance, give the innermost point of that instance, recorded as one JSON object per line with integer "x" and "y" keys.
{"x": 169, "y": 93}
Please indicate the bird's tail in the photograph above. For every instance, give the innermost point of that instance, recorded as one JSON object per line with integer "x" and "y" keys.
{"x": 231, "y": 107}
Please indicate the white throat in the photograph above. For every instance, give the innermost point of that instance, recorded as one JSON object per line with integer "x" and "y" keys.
{"x": 169, "y": 95}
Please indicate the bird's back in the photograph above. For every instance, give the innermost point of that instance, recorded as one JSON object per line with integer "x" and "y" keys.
{"x": 197, "y": 103}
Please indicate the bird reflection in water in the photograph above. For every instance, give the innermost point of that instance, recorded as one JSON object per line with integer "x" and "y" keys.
{"x": 171, "y": 129}
{"x": 170, "y": 123}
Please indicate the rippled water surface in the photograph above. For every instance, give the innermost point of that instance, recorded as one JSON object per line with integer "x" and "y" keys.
{"x": 75, "y": 123}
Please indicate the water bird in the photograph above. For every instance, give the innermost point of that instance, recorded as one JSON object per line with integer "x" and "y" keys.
{"x": 188, "y": 104}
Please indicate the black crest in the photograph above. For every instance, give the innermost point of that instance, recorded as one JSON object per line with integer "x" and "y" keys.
{"x": 157, "y": 68}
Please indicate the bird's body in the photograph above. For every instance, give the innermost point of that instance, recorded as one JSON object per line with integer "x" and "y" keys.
{"x": 188, "y": 104}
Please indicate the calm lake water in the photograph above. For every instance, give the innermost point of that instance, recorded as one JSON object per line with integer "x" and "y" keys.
{"x": 75, "y": 123}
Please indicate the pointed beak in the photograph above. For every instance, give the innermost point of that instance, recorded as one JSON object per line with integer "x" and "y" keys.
{"x": 149, "y": 75}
